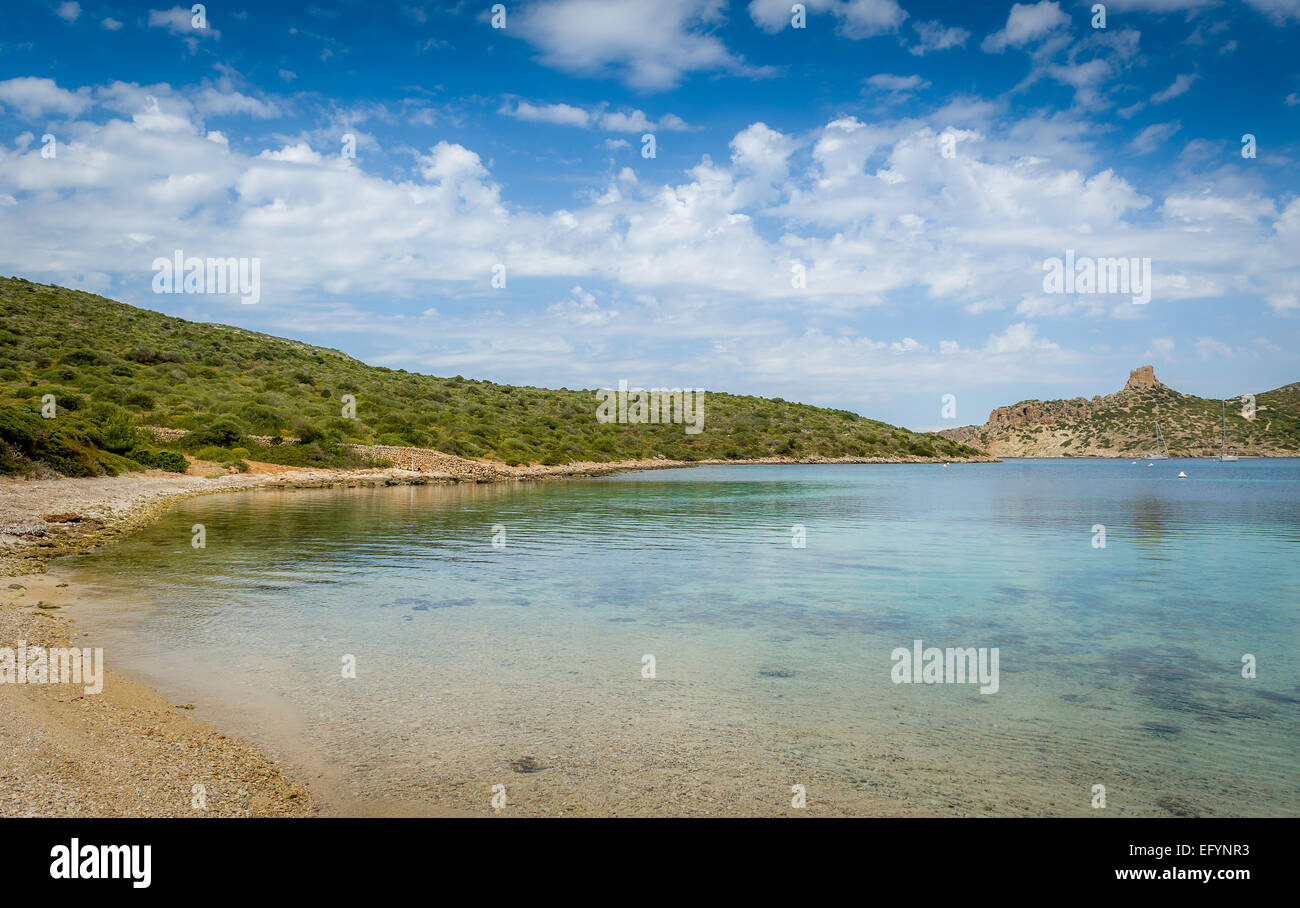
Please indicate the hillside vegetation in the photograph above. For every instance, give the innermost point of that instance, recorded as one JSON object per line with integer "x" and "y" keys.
{"x": 113, "y": 368}
{"x": 1123, "y": 424}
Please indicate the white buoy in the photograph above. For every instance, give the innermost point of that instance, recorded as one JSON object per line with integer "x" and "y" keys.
{"x": 1150, "y": 465}
{"x": 1182, "y": 475}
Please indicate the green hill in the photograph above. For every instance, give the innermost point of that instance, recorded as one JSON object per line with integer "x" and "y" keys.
{"x": 112, "y": 368}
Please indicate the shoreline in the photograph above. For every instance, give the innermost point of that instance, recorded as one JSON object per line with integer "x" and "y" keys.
{"x": 129, "y": 751}
{"x": 96, "y": 510}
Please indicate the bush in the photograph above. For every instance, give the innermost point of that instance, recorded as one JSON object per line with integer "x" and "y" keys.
{"x": 139, "y": 400}
{"x": 66, "y": 401}
{"x": 261, "y": 419}
{"x": 85, "y": 358}
{"x": 69, "y": 453}
{"x": 213, "y": 454}
{"x": 223, "y": 433}
{"x": 117, "y": 430}
{"x": 308, "y": 433}
{"x": 20, "y": 427}
{"x": 161, "y": 459}
{"x": 171, "y": 460}
{"x": 149, "y": 357}
{"x": 315, "y": 454}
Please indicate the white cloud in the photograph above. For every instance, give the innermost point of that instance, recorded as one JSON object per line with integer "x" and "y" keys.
{"x": 856, "y": 19}
{"x": 774, "y": 15}
{"x": 1158, "y": 6}
{"x": 1087, "y": 64}
{"x": 559, "y": 114}
{"x": 634, "y": 121}
{"x": 216, "y": 102}
{"x": 1154, "y": 136}
{"x": 294, "y": 154}
{"x": 581, "y": 308}
{"x": 651, "y": 46}
{"x": 868, "y": 18}
{"x": 889, "y": 82}
{"x": 1026, "y": 23}
{"x": 1019, "y": 338}
{"x": 1179, "y": 86}
{"x": 934, "y": 35}
{"x": 1204, "y": 207}
{"x": 33, "y": 97}
{"x": 179, "y": 20}
{"x": 1280, "y": 11}
{"x": 702, "y": 261}
{"x": 69, "y": 12}
{"x": 1085, "y": 78}
{"x": 1209, "y": 348}
{"x": 108, "y": 23}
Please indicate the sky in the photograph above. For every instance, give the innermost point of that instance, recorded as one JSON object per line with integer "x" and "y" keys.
{"x": 860, "y": 212}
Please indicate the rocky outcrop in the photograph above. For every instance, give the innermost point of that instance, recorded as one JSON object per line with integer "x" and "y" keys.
{"x": 1123, "y": 424}
{"x": 1143, "y": 378}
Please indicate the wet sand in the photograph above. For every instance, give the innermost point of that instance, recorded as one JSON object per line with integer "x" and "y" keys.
{"x": 125, "y": 752}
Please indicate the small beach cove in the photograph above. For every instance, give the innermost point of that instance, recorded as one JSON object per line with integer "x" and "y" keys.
{"x": 522, "y": 665}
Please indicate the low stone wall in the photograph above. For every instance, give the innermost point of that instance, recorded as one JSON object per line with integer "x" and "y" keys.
{"x": 162, "y": 433}
{"x": 420, "y": 460}
{"x": 426, "y": 460}
{"x": 165, "y": 434}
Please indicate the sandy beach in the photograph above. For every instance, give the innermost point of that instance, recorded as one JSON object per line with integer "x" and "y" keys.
{"x": 126, "y": 751}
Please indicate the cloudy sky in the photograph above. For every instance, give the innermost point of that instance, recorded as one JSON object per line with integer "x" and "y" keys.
{"x": 854, "y": 213}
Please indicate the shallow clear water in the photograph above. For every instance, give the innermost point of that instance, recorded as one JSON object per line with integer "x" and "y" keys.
{"x": 1118, "y": 666}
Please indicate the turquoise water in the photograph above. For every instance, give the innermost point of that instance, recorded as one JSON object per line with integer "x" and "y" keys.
{"x": 1118, "y": 666}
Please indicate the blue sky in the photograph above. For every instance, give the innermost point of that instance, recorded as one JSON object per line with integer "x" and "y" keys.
{"x": 920, "y": 161}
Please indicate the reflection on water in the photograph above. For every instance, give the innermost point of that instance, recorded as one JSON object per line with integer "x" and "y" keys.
{"x": 1120, "y": 666}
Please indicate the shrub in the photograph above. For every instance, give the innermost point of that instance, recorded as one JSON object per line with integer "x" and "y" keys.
{"x": 171, "y": 460}
{"x": 71, "y": 454}
{"x": 223, "y": 433}
{"x": 66, "y": 401}
{"x": 118, "y": 432}
{"x": 261, "y": 418}
{"x": 161, "y": 459}
{"x": 213, "y": 454}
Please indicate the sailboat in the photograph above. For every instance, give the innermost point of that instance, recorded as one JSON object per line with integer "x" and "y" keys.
{"x": 1160, "y": 452}
{"x": 1224, "y": 456}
